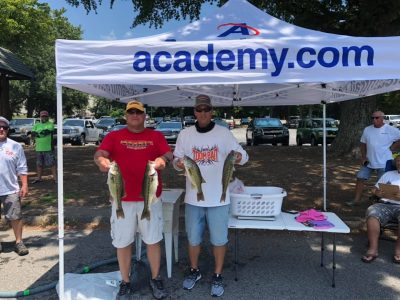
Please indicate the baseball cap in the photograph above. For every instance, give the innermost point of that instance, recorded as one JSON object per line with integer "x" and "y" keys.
{"x": 135, "y": 104}
{"x": 2, "y": 119}
{"x": 203, "y": 100}
{"x": 44, "y": 113}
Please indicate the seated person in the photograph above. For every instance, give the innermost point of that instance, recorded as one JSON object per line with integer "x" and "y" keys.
{"x": 379, "y": 214}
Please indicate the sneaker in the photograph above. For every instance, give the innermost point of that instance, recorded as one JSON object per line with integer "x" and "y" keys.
{"x": 157, "y": 288}
{"x": 190, "y": 281}
{"x": 36, "y": 181}
{"x": 125, "y": 291}
{"x": 21, "y": 249}
{"x": 352, "y": 203}
{"x": 217, "y": 285}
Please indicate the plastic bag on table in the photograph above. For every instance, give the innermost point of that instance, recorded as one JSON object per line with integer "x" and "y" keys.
{"x": 236, "y": 186}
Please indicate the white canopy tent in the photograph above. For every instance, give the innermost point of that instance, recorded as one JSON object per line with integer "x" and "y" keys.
{"x": 238, "y": 55}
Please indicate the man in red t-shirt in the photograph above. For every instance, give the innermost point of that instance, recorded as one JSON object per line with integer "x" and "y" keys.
{"x": 131, "y": 148}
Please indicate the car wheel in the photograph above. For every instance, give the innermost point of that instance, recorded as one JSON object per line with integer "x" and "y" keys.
{"x": 285, "y": 143}
{"x": 274, "y": 144}
{"x": 299, "y": 142}
{"x": 28, "y": 140}
{"x": 82, "y": 140}
{"x": 313, "y": 142}
{"x": 254, "y": 142}
{"x": 248, "y": 142}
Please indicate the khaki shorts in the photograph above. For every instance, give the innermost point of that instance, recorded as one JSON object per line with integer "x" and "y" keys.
{"x": 123, "y": 231}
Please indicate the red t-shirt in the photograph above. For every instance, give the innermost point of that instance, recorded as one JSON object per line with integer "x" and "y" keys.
{"x": 132, "y": 151}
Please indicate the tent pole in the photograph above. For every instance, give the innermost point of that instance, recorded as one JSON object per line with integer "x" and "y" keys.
{"x": 60, "y": 188}
{"x": 324, "y": 149}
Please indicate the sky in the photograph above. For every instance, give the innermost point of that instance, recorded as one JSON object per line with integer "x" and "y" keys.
{"x": 112, "y": 24}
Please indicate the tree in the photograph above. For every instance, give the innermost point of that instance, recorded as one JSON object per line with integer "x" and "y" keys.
{"x": 29, "y": 29}
{"x": 349, "y": 17}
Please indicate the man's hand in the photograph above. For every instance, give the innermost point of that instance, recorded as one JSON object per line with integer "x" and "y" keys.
{"x": 238, "y": 156}
{"x": 161, "y": 163}
{"x": 179, "y": 164}
{"x": 23, "y": 191}
{"x": 379, "y": 193}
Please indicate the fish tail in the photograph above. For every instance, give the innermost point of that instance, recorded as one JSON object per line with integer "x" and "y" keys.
{"x": 145, "y": 214}
{"x": 200, "y": 196}
{"x": 223, "y": 197}
{"x": 120, "y": 213}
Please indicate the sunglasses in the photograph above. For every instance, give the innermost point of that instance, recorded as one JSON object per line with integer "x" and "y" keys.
{"x": 199, "y": 110}
{"x": 4, "y": 127}
{"x": 375, "y": 117}
{"x": 135, "y": 112}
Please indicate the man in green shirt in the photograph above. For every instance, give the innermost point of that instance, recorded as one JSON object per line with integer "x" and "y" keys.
{"x": 43, "y": 134}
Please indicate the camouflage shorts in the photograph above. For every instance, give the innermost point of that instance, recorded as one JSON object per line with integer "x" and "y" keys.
{"x": 45, "y": 159}
{"x": 12, "y": 206}
{"x": 384, "y": 212}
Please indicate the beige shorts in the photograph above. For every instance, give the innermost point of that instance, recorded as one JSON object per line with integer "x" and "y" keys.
{"x": 123, "y": 231}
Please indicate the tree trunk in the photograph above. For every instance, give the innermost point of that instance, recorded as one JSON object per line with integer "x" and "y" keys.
{"x": 5, "y": 110}
{"x": 355, "y": 115}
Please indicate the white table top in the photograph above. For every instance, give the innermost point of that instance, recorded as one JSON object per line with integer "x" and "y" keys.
{"x": 277, "y": 224}
{"x": 286, "y": 221}
{"x": 292, "y": 224}
{"x": 171, "y": 195}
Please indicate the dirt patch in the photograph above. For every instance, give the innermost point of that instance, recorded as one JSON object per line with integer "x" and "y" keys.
{"x": 299, "y": 170}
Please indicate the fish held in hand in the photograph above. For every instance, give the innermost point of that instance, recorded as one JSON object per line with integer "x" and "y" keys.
{"x": 149, "y": 188}
{"x": 194, "y": 175}
{"x": 116, "y": 187}
{"x": 227, "y": 173}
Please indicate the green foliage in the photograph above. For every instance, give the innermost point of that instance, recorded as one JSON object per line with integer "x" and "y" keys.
{"x": 29, "y": 29}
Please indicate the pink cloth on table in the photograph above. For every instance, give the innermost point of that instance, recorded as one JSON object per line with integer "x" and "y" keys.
{"x": 310, "y": 214}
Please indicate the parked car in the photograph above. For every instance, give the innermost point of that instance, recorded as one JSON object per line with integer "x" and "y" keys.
{"x": 104, "y": 133}
{"x": 170, "y": 130}
{"x": 189, "y": 121}
{"x": 107, "y": 123}
{"x": 392, "y": 120}
{"x": 267, "y": 130}
{"x": 245, "y": 121}
{"x": 293, "y": 121}
{"x": 79, "y": 132}
{"x": 221, "y": 122}
{"x": 21, "y": 129}
{"x": 310, "y": 130}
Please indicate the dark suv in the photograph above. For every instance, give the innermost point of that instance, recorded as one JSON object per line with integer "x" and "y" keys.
{"x": 311, "y": 130}
{"x": 267, "y": 130}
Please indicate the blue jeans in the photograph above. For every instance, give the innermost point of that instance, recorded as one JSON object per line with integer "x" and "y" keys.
{"x": 366, "y": 172}
{"x": 217, "y": 218}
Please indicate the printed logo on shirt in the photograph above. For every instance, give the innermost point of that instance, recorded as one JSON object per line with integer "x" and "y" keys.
{"x": 205, "y": 156}
{"x": 9, "y": 153}
{"x": 136, "y": 145}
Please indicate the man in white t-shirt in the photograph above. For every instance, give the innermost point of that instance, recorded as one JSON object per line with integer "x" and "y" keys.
{"x": 379, "y": 214}
{"x": 208, "y": 144}
{"x": 376, "y": 144}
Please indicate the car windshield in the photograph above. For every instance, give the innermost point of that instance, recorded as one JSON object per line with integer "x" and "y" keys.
{"x": 171, "y": 125}
{"x": 328, "y": 123}
{"x": 268, "y": 122}
{"x": 74, "y": 123}
{"x": 106, "y": 122}
{"x": 117, "y": 127}
{"x": 22, "y": 122}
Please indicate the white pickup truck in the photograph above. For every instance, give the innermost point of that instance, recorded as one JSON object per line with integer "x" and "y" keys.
{"x": 80, "y": 132}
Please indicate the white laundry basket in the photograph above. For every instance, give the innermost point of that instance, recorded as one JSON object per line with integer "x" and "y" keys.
{"x": 258, "y": 201}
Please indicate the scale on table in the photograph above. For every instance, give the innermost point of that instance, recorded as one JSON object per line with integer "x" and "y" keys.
{"x": 257, "y": 218}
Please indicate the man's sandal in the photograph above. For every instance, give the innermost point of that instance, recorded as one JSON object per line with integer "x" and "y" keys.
{"x": 396, "y": 258}
{"x": 369, "y": 258}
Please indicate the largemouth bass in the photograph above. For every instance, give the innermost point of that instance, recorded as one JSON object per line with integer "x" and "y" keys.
{"x": 149, "y": 188}
{"x": 227, "y": 173}
{"x": 194, "y": 174}
{"x": 116, "y": 187}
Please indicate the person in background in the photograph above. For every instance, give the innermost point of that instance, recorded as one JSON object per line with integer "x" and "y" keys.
{"x": 208, "y": 145}
{"x": 44, "y": 146}
{"x": 379, "y": 214}
{"x": 131, "y": 148}
{"x": 376, "y": 145}
{"x": 12, "y": 165}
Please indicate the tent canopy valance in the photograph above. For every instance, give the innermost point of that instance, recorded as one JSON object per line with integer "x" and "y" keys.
{"x": 239, "y": 55}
